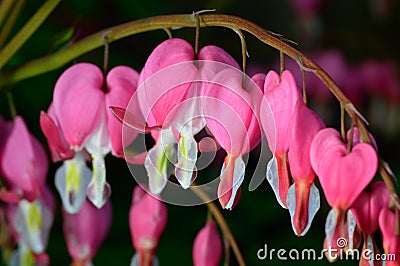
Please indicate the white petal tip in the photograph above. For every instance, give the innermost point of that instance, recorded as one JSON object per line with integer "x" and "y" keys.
{"x": 273, "y": 179}
{"x": 98, "y": 195}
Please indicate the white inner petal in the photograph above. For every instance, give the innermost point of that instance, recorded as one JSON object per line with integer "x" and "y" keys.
{"x": 22, "y": 256}
{"x": 351, "y": 227}
{"x": 72, "y": 180}
{"x": 99, "y": 142}
{"x": 187, "y": 157}
{"x": 313, "y": 206}
{"x": 273, "y": 179}
{"x": 238, "y": 176}
{"x": 330, "y": 226}
{"x": 98, "y": 190}
{"x": 371, "y": 253}
{"x": 159, "y": 160}
{"x": 33, "y": 221}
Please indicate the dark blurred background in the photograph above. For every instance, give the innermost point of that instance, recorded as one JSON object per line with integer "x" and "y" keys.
{"x": 356, "y": 41}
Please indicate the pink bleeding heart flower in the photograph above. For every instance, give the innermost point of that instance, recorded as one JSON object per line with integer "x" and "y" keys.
{"x": 345, "y": 237}
{"x": 31, "y": 223}
{"x": 24, "y": 163}
{"x": 207, "y": 247}
{"x": 167, "y": 100}
{"x": 79, "y": 120}
{"x": 73, "y": 177}
{"x": 171, "y": 102}
{"x": 388, "y": 221}
{"x": 335, "y": 167}
{"x": 366, "y": 211}
{"x": 147, "y": 221}
{"x": 79, "y": 105}
{"x": 86, "y": 230}
{"x": 281, "y": 95}
{"x": 230, "y": 113}
{"x": 303, "y": 198}
{"x": 368, "y": 205}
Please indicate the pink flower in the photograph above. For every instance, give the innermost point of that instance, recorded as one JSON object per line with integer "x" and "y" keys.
{"x": 23, "y": 161}
{"x": 280, "y": 98}
{"x": 368, "y": 205}
{"x": 231, "y": 115}
{"x": 30, "y": 224}
{"x": 207, "y": 247}
{"x": 335, "y": 167}
{"x": 79, "y": 120}
{"x": 85, "y": 231}
{"x": 391, "y": 239}
{"x": 303, "y": 196}
{"x": 366, "y": 211}
{"x": 169, "y": 98}
{"x": 147, "y": 221}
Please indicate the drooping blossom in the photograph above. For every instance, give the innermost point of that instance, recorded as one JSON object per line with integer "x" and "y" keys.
{"x": 207, "y": 247}
{"x": 169, "y": 96}
{"x": 79, "y": 122}
{"x": 147, "y": 221}
{"x": 232, "y": 118}
{"x": 31, "y": 223}
{"x": 29, "y": 202}
{"x": 335, "y": 166}
{"x": 161, "y": 96}
{"x": 85, "y": 231}
{"x": 389, "y": 223}
{"x": 281, "y": 96}
{"x": 366, "y": 210}
{"x": 24, "y": 163}
{"x": 303, "y": 196}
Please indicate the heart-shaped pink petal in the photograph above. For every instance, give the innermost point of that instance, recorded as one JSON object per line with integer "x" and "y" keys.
{"x": 327, "y": 138}
{"x": 77, "y": 101}
{"x": 281, "y": 95}
{"x": 343, "y": 176}
{"x": 165, "y": 80}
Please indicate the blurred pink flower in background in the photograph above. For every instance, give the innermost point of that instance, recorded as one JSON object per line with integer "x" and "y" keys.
{"x": 147, "y": 221}
{"x": 85, "y": 231}
{"x": 207, "y": 247}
